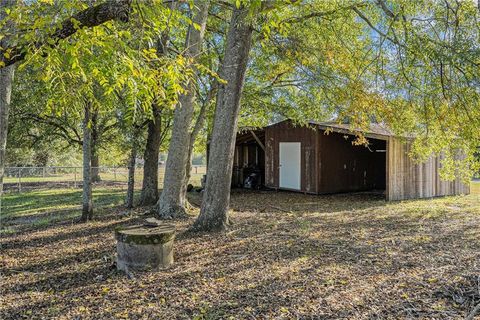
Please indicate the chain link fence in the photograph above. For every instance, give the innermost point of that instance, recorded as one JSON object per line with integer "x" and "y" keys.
{"x": 22, "y": 179}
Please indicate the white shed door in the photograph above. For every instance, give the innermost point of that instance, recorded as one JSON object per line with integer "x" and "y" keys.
{"x": 290, "y": 165}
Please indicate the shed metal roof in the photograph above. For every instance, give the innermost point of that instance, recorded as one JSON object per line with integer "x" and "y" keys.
{"x": 376, "y": 130}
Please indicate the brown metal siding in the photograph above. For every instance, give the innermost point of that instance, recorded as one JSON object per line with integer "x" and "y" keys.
{"x": 411, "y": 180}
{"x": 329, "y": 164}
{"x": 286, "y": 132}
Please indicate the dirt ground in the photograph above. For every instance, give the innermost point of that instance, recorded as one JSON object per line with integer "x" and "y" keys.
{"x": 286, "y": 256}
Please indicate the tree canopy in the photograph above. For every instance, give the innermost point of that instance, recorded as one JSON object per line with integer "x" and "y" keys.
{"x": 413, "y": 65}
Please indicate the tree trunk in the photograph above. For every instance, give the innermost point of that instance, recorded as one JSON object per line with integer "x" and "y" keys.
{"x": 95, "y": 164}
{"x": 196, "y": 129}
{"x": 94, "y": 147}
{"x": 87, "y": 205}
{"x": 186, "y": 179}
{"x": 6, "y": 80}
{"x": 214, "y": 212}
{"x": 172, "y": 200}
{"x": 149, "y": 195}
{"x": 131, "y": 177}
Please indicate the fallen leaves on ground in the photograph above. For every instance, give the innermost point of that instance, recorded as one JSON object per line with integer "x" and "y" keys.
{"x": 286, "y": 256}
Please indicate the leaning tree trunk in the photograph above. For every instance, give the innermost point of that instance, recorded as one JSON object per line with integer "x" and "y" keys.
{"x": 87, "y": 204}
{"x": 172, "y": 200}
{"x": 196, "y": 129}
{"x": 149, "y": 195}
{"x": 131, "y": 177}
{"x": 214, "y": 212}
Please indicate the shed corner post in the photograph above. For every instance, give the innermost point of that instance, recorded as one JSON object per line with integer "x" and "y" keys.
{"x": 388, "y": 189}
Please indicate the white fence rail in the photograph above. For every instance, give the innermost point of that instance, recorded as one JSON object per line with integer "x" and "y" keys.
{"x": 18, "y": 179}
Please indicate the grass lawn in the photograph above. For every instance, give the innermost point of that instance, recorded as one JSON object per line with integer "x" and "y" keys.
{"x": 287, "y": 255}
{"x": 48, "y": 202}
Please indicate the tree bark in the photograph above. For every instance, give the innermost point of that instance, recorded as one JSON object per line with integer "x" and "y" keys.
{"x": 214, "y": 212}
{"x": 95, "y": 164}
{"x": 172, "y": 200}
{"x": 87, "y": 204}
{"x": 131, "y": 176}
{"x": 94, "y": 147}
{"x": 88, "y": 18}
{"x": 149, "y": 195}
{"x": 196, "y": 129}
{"x": 6, "y": 81}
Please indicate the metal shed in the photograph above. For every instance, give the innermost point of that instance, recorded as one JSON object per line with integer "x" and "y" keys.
{"x": 321, "y": 159}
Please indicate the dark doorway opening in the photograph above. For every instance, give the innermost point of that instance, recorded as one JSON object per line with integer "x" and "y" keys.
{"x": 249, "y": 159}
{"x": 347, "y": 167}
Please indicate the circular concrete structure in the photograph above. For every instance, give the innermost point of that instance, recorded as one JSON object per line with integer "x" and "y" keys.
{"x": 144, "y": 248}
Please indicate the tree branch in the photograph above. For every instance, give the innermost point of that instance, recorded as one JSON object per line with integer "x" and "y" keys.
{"x": 385, "y": 9}
{"x": 370, "y": 24}
{"x": 320, "y": 14}
{"x": 88, "y": 18}
{"x": 59, "y": 126}
{"x": 201, "y": 115}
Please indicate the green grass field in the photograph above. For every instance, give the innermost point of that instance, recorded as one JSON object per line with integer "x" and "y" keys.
{"x": 44, "y": 201}
{"x": 118, "y": 175}
{"x": 64, "y": 181}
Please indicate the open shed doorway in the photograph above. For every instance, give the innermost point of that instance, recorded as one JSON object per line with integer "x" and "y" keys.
{"x": 248, "y": 168}
{"x": 346, "y": 167}
{"x": 249, "y": 159}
